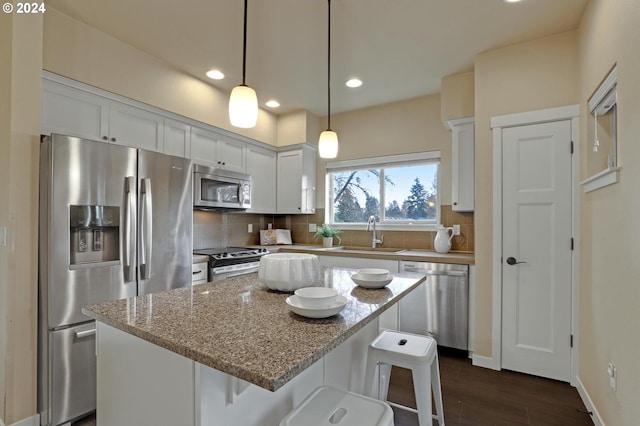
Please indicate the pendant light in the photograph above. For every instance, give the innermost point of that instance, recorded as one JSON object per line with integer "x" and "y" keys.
{"x": 243, "y": 102}
{"x": 328, "y": 143}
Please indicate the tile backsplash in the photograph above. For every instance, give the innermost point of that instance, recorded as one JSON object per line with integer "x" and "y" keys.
{"x": 222, "y": 229}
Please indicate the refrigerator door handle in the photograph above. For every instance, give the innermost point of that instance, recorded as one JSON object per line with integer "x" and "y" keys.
{"x": 145, "y": 228}
{"x": 85, "y": 333}
{"x": 129, "y": 231}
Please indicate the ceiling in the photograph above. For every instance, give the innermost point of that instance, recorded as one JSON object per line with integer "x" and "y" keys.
{"x": 401, "y": 49}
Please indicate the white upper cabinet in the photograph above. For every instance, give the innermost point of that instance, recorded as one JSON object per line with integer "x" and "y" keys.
{"x": 209, "y": 149}
{"x": 134, "y": 127}
{"x": 177, "y": 138}
{"x": 73, "y": 112}
{"x": 232, "y": 155}
{"x": 296, "y": 181}
{"x": 261, "y": 165}
{"x": 204, "y": 147}
{"x": 462, "y": 164}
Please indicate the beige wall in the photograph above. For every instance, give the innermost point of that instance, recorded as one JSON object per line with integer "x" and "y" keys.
{"x": 298, "y": 127}
{"x": 610, "y": 219}
{"x": 20, "y": 87}
{"x": 457, "y": 96}
{"x": 75, "y": 50}
{"x": 397, "y": 128}
{"x": 523, "y": 77}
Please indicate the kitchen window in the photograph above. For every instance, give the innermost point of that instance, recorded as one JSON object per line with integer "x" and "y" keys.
{"x": 401, "y": 191}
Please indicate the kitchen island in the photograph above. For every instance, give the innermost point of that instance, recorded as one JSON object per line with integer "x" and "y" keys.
{"x": 230, "y": 352}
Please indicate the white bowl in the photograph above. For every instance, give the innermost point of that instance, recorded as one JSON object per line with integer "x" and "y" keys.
{"x": 316, "y": 297}
{"x": 294, "y": 305}
{"x": 373, "y": 274}
{"x": 288, "y": 271}
{"x": 356, "y": 278}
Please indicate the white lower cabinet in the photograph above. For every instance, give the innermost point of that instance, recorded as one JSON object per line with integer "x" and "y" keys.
{"x": 199, "y": 273}
{"x": 389, "y": 318}
{"x": 141, "y": 383}
{"x": 358, "y": 262}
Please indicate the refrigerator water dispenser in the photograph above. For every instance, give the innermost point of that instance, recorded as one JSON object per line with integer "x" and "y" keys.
{"x": 94, "y": 232}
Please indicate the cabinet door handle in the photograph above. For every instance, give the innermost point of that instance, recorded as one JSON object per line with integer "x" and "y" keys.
{"x": 113, "y": 139}
{"x": 104, "y": 138}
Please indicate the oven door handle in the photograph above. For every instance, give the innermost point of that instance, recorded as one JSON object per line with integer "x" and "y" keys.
{"x": 235, "y": 272}
{"x": 242, "y": 272}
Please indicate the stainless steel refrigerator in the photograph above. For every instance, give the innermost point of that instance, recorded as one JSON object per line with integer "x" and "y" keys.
{"x": 115, "y": 222}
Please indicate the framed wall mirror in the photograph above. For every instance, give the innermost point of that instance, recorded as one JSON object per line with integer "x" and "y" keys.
{"x": 602, "y": 158}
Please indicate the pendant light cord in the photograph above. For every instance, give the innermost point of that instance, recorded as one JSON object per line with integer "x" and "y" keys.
{"x": 329, "y": 67}
{"x": 244, "y": 44}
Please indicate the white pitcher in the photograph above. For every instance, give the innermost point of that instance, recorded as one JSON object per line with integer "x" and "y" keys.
{"x": 442, "y": 242}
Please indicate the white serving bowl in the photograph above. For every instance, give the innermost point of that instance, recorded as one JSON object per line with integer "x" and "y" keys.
{"x": 373, "y": 274}
{"x": 288, "y": 271}
{"x": 316, "y": 297}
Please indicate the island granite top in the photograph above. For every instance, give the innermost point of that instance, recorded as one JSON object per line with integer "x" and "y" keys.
{"x": 241, "y": 328}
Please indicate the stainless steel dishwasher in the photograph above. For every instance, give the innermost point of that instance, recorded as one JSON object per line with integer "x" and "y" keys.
{"x": 439, "y": 307}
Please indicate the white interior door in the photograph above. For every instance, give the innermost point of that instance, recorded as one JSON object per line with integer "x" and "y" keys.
{"x": 536, "y": 256}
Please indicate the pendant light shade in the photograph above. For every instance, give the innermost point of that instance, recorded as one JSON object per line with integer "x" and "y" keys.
{"x": 243, "y": 102}
{"x": 328, "y": 143}
{"x": 243, "y": 107}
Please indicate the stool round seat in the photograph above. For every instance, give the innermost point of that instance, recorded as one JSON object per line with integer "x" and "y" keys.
{"x": 327, "y": 406}
{"x": 406, "y": 346}
{"x": 414, "y": 352}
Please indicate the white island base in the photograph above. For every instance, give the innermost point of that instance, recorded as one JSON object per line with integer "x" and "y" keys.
{"x": 140, "y": 383}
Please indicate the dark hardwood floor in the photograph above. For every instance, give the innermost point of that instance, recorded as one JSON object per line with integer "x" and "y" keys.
{"x": 474, "y": 396}
{"x": 479, "y": 396}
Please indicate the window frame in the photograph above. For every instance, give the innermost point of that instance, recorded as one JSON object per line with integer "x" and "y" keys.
{"x": 381, "y": 163}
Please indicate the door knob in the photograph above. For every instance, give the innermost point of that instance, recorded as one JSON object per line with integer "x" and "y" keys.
{"x": 513, "y": 261}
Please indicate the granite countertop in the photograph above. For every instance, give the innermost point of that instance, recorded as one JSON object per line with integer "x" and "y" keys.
{"x": 416, "y": 255}
{"x": 241, "y": 328}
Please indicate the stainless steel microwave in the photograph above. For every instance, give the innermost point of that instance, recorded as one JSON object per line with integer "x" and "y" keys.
{"x": 220, "y": 189}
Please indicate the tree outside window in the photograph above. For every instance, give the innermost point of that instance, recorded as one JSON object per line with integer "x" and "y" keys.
{"x": 393, "y": 194}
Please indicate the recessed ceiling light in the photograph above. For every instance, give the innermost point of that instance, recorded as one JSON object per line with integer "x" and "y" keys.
{"x": 353, "y": 82}
{"x": 272, "y": 103}
{"x": 512, "y": 1}
{"x": 215, "y": 74}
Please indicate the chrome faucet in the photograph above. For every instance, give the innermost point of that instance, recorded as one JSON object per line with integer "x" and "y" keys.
{"x": 371, "y": 226}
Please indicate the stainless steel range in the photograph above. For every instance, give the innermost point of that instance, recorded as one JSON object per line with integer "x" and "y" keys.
{"x": 232, "y": 261}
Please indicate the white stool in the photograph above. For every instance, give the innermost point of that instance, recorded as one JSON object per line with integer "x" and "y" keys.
{"x": 328, "y": 406}
{"x": 414, "y": 352}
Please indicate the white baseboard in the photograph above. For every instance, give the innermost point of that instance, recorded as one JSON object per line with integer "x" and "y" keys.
{"x": 485, "y": 362}
{"x": 29, "y": 421}
{"x": 597, "y": 420}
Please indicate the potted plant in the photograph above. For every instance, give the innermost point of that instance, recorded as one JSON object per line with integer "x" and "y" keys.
{"x": 327, "y": 233}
